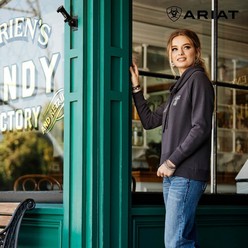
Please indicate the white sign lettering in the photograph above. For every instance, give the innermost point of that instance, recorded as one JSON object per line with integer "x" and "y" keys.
{"x": 29, "y": 75}
{"x": 20, "y": 119}
{"x": 29, "y": 78}
{"x": 23, "y": 28}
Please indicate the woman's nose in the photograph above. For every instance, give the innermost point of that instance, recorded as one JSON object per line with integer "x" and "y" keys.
{"x": 180, "y": 52}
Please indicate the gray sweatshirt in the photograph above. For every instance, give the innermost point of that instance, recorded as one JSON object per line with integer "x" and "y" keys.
{"x": 186, "y": 120}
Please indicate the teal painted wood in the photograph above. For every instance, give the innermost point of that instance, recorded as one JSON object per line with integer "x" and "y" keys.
{"x": 97, "y": 98}
{"x": 147, "y": 227}
{"x": 218, "y": 226}
{"x": 114, "y": 118}
{"x": 42, "y": 227}
{"x": 74, "y": 194}
{"x": 223, "y": 226}
{"x": 92, "y": 149}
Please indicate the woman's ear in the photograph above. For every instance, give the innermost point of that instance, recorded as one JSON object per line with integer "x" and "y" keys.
{"x": 198, "y": 56}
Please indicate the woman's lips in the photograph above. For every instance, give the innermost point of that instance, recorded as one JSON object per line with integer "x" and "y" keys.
{"x": 181, "y": 59}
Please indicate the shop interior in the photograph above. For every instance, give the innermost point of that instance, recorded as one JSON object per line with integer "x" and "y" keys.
{"x": 152, "y": 25}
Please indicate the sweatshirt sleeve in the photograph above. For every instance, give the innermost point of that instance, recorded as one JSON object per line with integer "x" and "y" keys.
{"x": 202, "y": 98}
{"x": 149, "y": 119}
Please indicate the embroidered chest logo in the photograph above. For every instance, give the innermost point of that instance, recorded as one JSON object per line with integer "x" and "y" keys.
{"x": 175, "y": 100}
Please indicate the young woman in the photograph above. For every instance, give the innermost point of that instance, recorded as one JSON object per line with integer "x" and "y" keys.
{"x": 186, "y": 120}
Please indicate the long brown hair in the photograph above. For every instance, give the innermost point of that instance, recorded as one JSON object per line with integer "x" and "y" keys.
{"x": 192, "y": 36}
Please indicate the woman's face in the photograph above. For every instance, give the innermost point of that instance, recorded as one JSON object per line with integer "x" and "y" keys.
{"x": 183, "y": 53}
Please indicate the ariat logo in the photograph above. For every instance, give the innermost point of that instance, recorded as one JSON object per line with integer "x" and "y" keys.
{"x": 176, "y": 99}
{"x": 174, "y": 13}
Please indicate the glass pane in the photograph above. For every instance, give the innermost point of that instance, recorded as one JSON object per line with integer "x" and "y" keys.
{"x": 152, "y": 25}
{"x": 232, "y": 122}
{"x": 153, "y": 21}
{"x": 232, "y": 115}
{"x": 146, "y": 144}
{"x": 157, "y": 60}
{"x": 232, "y": 42}
{"x": 31, "y": 92}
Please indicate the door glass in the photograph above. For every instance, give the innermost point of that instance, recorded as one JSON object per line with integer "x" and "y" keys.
{"x": 232, "y": 109}
{"x": 153, "y": 22}
{"x": 31, "y": 92}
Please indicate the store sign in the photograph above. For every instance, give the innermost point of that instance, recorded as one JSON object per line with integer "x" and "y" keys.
{"x": 24, "y": 28}
{"x": 54, "y": 111}
{"x": 175, "y": 12}
{"x": 22, "y": 80}
{"x": 204, "y": 14}
{"x": 25, "y": 75}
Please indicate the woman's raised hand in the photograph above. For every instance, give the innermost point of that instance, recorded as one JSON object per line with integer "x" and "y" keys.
{"x": 134, "y": 75}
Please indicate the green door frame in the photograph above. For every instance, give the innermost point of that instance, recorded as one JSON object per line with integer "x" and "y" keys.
{"x": 97, "y": 133}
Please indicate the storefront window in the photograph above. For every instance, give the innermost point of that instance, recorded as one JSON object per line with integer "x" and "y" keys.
{"x": 146, "y": 143}
{"x": 152, "y": 24}
{"x": 232, "y": 106}
{"x": 31, "y": 94}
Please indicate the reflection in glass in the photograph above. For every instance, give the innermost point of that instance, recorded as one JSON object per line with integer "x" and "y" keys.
{"x": 146, "y": 155}
{"x": 31, "y": 90}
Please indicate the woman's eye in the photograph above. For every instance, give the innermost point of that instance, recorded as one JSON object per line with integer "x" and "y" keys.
{"x": 187, "y": 47}
{"x": 174, "y": 49}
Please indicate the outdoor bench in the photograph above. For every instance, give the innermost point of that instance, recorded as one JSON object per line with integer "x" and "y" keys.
{"x": 11, "y": 214}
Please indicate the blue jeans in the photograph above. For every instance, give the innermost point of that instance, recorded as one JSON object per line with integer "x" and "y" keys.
{"x": 181, "y": 197}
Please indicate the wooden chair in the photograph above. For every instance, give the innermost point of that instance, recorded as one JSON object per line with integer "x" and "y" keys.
{"x": 11, "y": 215}
{"x": 37, "y": 182}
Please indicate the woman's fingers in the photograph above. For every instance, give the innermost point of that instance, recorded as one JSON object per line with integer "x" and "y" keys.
{"x": 134, "y": 74}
